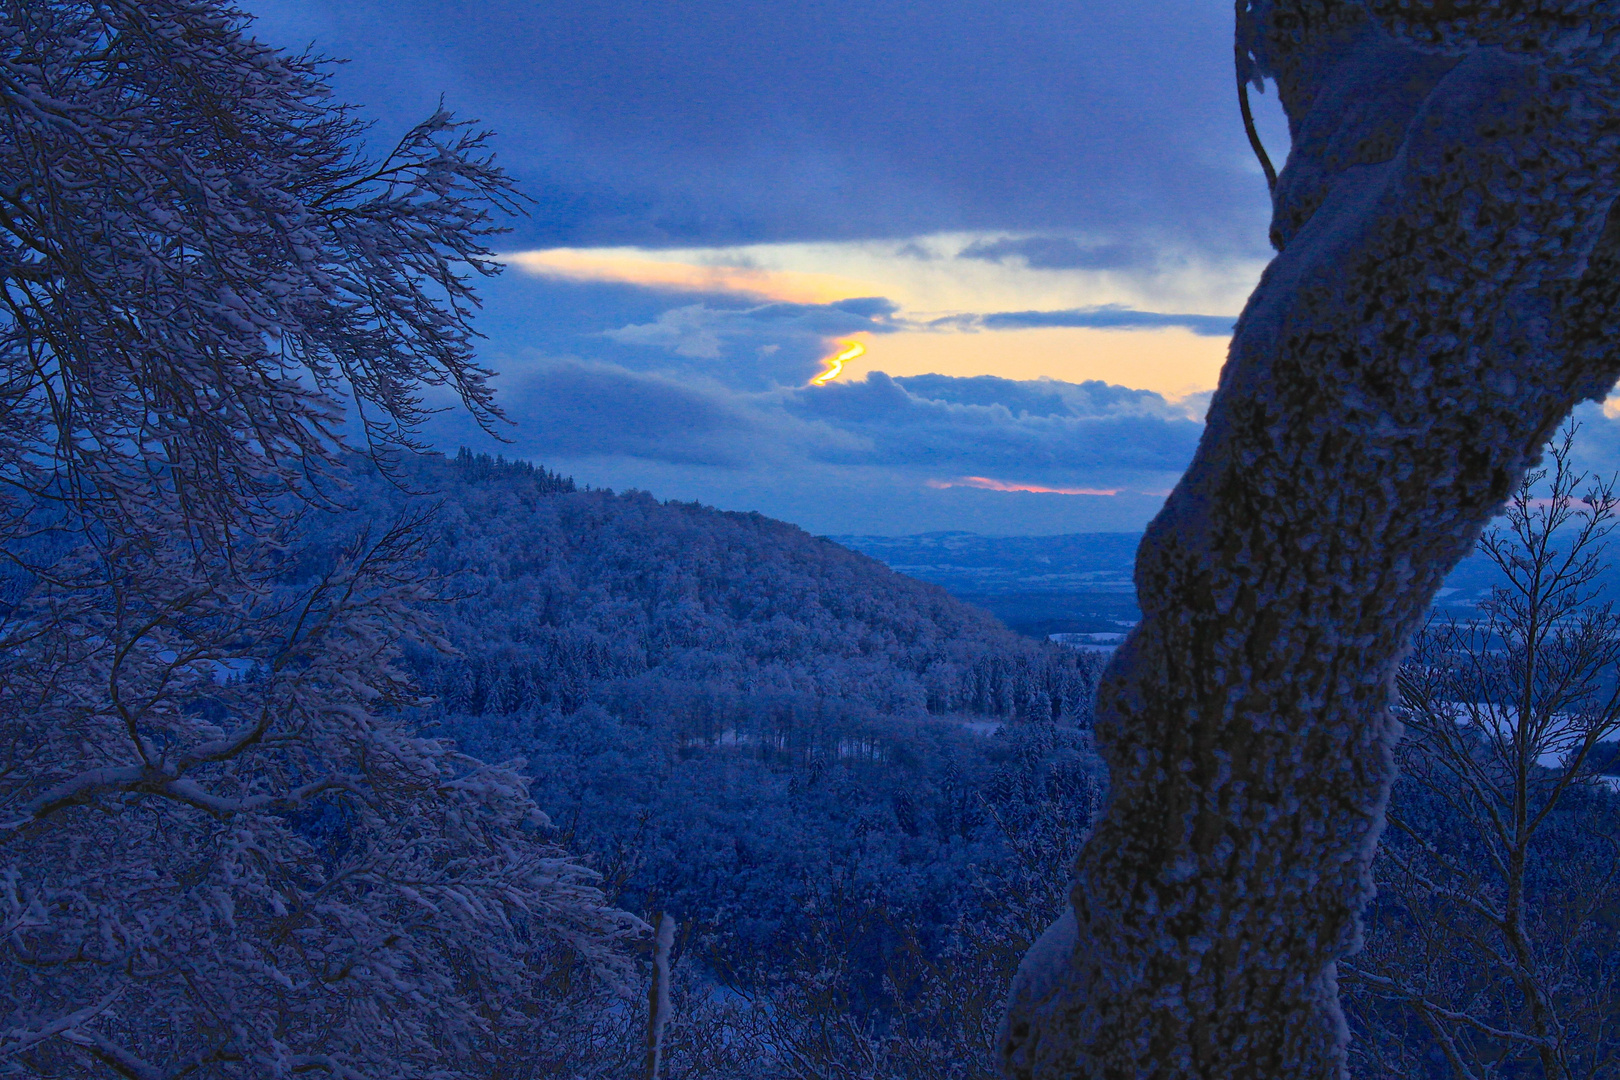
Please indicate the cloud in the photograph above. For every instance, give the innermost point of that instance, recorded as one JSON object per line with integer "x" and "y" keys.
{"x": 1108, "y": 317}
{"x": 1073, "y": 436}
{"x": 734, "y": 121}
{"x": 685, "y": 331}
{"x": 911, "y": 249}
{"x": 753, "y": 348}
{"x": 576, "y": 409}
{"x": 1597, "y": 442}
{"x": 753, "y": 345}
{"x": 942, "y": 272}
{"x": 1056, "y": 253}
{"x": 781, "y": 344}
{"x": 1041, "y": 397}
{"x": 633, "y": 267}
{"x": 870, "y": 307}
{"x": 1027, "y": 435}
{"x": 985, "y": 483}
{"x": 932, "y": 446}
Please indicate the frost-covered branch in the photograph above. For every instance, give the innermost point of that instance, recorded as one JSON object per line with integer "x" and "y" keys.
{"x": 217, "y": 817}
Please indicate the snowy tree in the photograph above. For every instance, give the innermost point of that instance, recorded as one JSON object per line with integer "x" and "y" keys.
{"x": 1445, "y": 291}
{"x": 200, "y": 266}
{"x": 223, "y": 851}
{"x": 1492, "y": 940}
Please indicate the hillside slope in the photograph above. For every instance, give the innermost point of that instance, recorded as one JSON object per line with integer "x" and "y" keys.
{"x": 581, "y": 594}
{"x": 734, "y": 717}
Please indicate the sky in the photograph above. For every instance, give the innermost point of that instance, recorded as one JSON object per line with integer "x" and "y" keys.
{"x": 1028, "y": 226}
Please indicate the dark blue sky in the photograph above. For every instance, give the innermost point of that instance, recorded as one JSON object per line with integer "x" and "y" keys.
{"x": 661, "y": 122}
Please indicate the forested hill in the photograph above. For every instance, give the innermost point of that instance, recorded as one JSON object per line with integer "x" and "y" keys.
{"x": 740, "y": 722}
{"x": 643, "y": 604}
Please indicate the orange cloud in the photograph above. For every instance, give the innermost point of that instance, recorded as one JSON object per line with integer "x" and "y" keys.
{"x": 986, "y": 484}
{"x": 790, "y": 286}
{"x": 835, "y": 364}
{"x": 1173, "y": 362}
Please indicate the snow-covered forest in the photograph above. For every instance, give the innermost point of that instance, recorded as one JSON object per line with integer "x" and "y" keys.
{"x": 326, "y": 755}
{"x": 812, "y": 762}
{"x": 860, "y": 805}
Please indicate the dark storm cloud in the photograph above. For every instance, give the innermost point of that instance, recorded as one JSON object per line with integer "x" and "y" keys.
{"x": 1039, "y": 397}
{"x": 738, "y": 120}
{"x": 1056, "y": 253}
{"x": 1108, "y": 317}
{"x": 1074, "y": 432}
{"x": 574, "y": 408}
{"x": 869, "y": 307}
{"x": 1045, "y": 431}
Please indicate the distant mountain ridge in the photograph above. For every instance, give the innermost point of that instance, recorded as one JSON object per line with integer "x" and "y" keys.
{"x": 964, "y": 562}
{"x": 1037, "y": 585}
{"x": 1082, "y": 582}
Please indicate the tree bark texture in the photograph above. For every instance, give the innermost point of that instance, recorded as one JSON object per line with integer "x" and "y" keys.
{"x": 1444, "y": 293}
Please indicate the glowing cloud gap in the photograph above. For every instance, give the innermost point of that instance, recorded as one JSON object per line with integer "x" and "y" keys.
{"x": 984, "y": 483}
{"x": 852, "y": 350}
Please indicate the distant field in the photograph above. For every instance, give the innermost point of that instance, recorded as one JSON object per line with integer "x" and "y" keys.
{"x": 1042, "y": 614}
{"x": 1036, "y": 585}
{"x": 1080, "y": 583}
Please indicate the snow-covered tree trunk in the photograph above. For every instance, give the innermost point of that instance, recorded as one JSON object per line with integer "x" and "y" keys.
{"x": 1445, "y": 292}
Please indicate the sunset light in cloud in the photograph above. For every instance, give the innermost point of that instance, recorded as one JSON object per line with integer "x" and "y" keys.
{"x": 835, "y": 364}
{"x": 1172, "y": 362}
{"x": 930, "y": 283}
{"x": 984, "y": 483}
{"x": 634, "y": 266}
